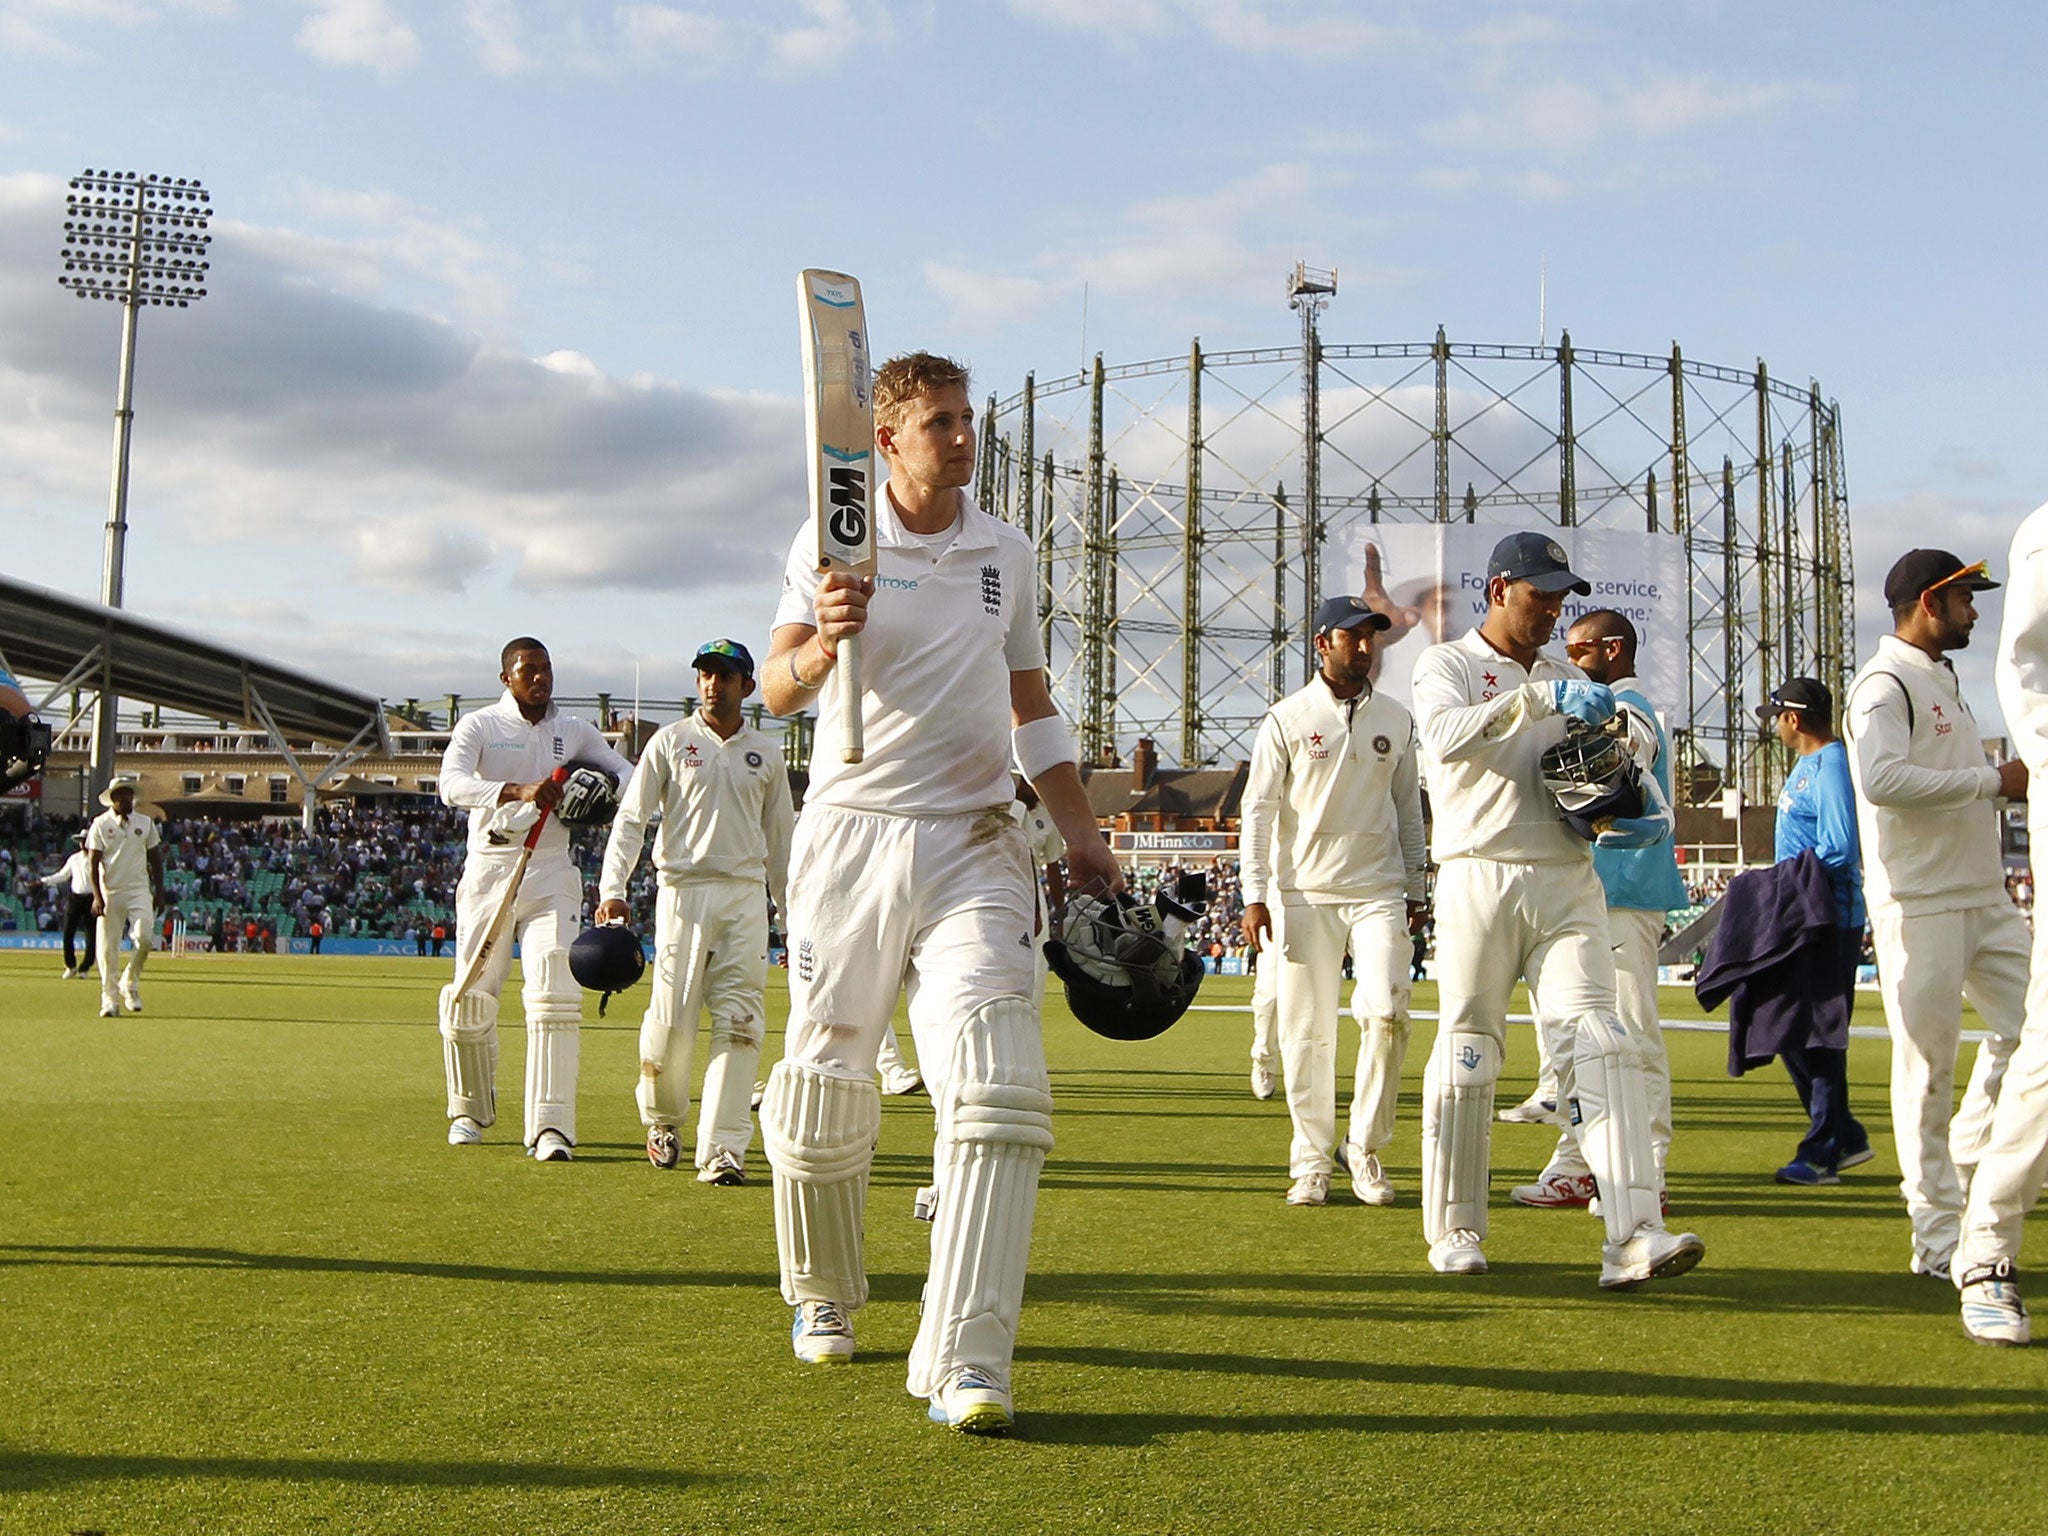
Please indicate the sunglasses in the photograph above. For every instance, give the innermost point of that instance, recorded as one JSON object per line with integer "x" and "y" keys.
{"x": 1981, "y": 571}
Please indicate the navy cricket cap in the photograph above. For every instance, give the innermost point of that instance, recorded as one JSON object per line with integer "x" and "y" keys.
{"x": 1348, "y": 613}
{"x": 1538, "y": 559}
{"x": 1808, "y": 695}
{"x": 726, "y": 656}
{"x": 1922, "y": 570}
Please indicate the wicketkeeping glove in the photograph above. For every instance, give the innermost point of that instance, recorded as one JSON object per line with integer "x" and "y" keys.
{"x": 1590, "y": 702}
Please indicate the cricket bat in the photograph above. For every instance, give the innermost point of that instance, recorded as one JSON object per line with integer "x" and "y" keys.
{"x": 839, "y": 421}
{"x": 501, "y": 917}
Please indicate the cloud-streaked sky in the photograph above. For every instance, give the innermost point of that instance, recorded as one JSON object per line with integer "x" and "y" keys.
{"x": 501, "y": 335}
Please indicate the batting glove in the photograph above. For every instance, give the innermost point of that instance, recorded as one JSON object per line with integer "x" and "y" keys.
{"x": 1590, "y": 702}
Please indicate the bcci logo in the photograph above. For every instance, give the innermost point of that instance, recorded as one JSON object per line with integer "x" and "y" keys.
{"x": 1381, "y": 745}
{"x": 992, "y": 588}
{"x": 806, "y": 961}
{"x": 753, "y": 759}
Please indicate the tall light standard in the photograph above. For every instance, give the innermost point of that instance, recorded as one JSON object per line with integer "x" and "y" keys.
{"x": 134, "y": 240}
{"x": 1309, "y": 290}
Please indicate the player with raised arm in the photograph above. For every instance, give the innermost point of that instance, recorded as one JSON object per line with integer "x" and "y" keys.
{"x": 908, "y": 869}
{"x": 721, "y": 790}
{"x": 1516, "y": 896}
{"x": 501, "y": 766}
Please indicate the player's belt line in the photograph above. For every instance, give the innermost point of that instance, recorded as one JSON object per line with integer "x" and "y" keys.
{"x": 1694, "y": 1026}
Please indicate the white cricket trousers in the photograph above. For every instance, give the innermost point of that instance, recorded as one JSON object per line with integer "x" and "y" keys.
{"x": 545, "y": 918}
{"x": 1266, "y": 997}
{"x": 132, "y": 913}
{"x": 1636, "y": 935}
{"x": 1926, "y": 966}
{"x": 710, "y": 954}
{"x": 1313, "y": 939}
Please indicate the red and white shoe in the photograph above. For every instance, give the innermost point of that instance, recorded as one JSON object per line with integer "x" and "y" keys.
{"x": 1557, "y": 1191}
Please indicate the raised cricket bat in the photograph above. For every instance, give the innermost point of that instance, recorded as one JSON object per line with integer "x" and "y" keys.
{"x": 839, "y": 421}
{"x": 501, "y": 918}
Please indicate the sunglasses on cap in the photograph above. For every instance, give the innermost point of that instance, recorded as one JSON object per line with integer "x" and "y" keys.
{"x": 1981, "y": 571}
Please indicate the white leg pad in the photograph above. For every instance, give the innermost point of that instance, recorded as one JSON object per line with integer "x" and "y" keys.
{"x": 819, "y": 1131}
{"x": 994, "y": 1131}
{"x": 725, "y": 1118}
{"x": 469, "y": 1053}
{"x": 1457, "y": 1132}
{"x": 1382, "y": 1046}
{"x": 554, "y": 1014}
{"x": 1609, "y": 1107}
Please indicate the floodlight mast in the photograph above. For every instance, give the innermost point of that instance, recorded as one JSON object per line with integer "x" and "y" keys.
{"x": 1309, "y": 291}
{"x": 133, "y": 240}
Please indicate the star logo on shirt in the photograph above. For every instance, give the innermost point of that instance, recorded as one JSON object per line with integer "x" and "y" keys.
{"x": 689, "y": 751}
{"x": 1492, "y": 680}
{"x": 1938, "y": 713}
{"x": 1315, "y": 738}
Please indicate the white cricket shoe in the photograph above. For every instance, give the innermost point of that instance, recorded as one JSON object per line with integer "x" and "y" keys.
{"x": 663, "y": 1149}
{"x": 1458, "y": 1252}
{"x": 1992, "y": 1310}
{"x": 760, "y": 1093}
{"x": 109, "y": 1011}
{"x": 1557, "y": 1191}
{"x": 131, "y": 999}
{"x": 898, "y": 1081}
{"x": 821, "y": 1333}
{"x": 1263, "y": 1081}
{"x": 1369, "y": 1181}
{"x": 972, "y": 1403}
{"x": 1531, "y": 1111}
{"x": 724, "y": 1170}
{"x": 551, "y": 1146}
{"x": 71, "y": 973}
{"x": 464, "y": 1132}
{"x": 1931, "y": 1262}
{"x": 1309, "y": 1189}
{"x": 1652, "y": 1254}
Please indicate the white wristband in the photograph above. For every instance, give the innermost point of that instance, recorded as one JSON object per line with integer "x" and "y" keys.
{"x": 1042, "y": 744}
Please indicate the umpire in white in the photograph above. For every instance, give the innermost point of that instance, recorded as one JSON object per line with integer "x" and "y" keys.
{"x": 1943, "y": 925}
{"x": 1516, "y": 896}
{"x": 499, "y": 767}
{"x": 721, "y": 790}
{"x": 1333, "y": 836}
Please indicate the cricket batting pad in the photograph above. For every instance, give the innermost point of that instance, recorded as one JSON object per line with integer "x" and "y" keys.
{"x": 1457, "y": 1132}
{"x": 819, "y": 1132}
{"x": 469, "y": 1052}
{"x": 994, "y": 1130}
{"x": 554, "y": 1011}
{"x": 725, "y": 1120}
{"x": 1382, "y": 1045}
{"x": 1611, "y": 1112}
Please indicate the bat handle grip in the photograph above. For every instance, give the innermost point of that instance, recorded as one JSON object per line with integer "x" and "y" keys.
{"x": 849, "y": 700}
{"x": 559, "y": 776}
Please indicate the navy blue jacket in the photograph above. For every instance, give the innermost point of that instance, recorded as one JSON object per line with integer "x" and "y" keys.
{"x": 1781, "y": 961}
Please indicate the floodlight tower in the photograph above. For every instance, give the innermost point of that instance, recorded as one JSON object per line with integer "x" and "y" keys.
{"x": 134, "y": 240}
{"x": 1309, "y": 291}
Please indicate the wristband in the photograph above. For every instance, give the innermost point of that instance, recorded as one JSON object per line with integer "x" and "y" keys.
{"x": 1042, "y": 744}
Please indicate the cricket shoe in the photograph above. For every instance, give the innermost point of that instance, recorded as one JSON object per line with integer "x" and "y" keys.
{"x": 1369, "y": 1181}
{"x": 663, "y": 1149}
{"x": 972, "y": 1403}
{"x": 1797, "y": 1172}
{"x": 1531, "y": 1111}
{"x": 1855, "y": 1159}
{"x": 1652, "y": 1254}
{"x": 1263, "y": 1081}
{"x": 71, "y": 973}
{"x": 1992, "y": 1310}
{"x": 1557, "y": 1191}
{"x": 724, "y": 1170}
{"x": 1458, "y": 1252}
{"x": 760, "y": 1093}
{"x": 551, "y": 1146}
{"x": 821, "y": 1333}
{"x": 1309, "y": 1189}
{"x": 925, "y": 1204}
{"x": 898, "y": 1081}
{"x": 131, "y": 999}
{"x": 109, "y": 1011}
{"x": 464, "y": 1132}
{"x": 1933, "y": 1263}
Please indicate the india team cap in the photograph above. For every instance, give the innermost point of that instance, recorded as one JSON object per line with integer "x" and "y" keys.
{"x": 1539, "y": 560}
{"x": 1808, "y": 695}
{"x": 1922, "y": 570}
{"x": 726, "y": 656}
{"x": 1348, "y": 613}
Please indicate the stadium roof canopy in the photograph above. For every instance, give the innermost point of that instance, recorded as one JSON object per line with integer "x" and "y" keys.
{"x": 74, "y": 644}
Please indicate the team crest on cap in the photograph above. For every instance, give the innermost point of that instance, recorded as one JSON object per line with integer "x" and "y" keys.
{"x": 1555, "y": 551}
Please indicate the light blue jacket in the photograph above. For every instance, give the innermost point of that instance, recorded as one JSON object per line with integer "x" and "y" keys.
{"x": 1644, "y": 879}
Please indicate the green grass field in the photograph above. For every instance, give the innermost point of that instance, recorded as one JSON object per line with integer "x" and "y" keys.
{"x": 245, "y": 1286}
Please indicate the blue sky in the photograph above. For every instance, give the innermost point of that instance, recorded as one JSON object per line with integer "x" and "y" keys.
{"x": 502, "y": 334}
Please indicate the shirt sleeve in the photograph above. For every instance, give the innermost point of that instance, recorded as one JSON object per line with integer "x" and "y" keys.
{"x": 96, "y": 837}
{"x": 1023, "y": 646}
{"x": 1453, "y": 728}
{"x": 2022, "y": 669}
{"x": 1260, "y": 811}
{"x": 779, "y": 823}
{"x": 461, "y": 785}
{"x": 637, "y": 805}
{"x": 1834, "y": 808}
{"x": 1880, "y": 742}
{"x": 597, "y": 750}
{"x": 1408, "y": 810}
{"x": 799, "y": 582}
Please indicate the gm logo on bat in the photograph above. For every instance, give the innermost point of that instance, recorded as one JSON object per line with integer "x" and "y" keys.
{"x": 848, "y": 521}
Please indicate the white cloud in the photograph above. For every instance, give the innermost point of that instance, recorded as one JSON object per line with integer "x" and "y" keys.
{"x": 45, "y": 28}
{"x": 496, "y": 33}
{"x": 656, "y": 33}
{"x": 1563, "y": 118}
{"x": 363, "y": 34}
{"x": 829, "y": 35}
{"x": 1307, "y": 29}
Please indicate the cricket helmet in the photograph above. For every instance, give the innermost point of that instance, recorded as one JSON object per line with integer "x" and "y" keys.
{"x": 1593, "y": 777}
{"x": 606, "y": 959}
{"x": 1124, "y": 979}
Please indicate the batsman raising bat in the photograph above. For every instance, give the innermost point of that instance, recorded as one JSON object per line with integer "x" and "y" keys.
{"x": 908, "y": 868}
{"x": 525, "y": 772}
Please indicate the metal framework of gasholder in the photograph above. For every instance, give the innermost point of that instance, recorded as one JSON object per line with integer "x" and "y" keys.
{"x": 1180, "y": 508}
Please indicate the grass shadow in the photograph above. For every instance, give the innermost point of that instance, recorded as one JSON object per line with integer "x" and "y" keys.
{"x": 43, "y": 1471}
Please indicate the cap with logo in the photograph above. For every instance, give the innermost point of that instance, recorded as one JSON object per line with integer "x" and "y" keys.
{"x": 1538, "y": 559}
{"x": 1348, "y": 613}
{"x": 726, "y": 656}
{"x": 1808, "y": 695}
{"x": 1922, "y": 570}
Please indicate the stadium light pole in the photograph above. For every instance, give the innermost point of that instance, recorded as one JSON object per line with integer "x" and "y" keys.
{"x": 134, "y": 240}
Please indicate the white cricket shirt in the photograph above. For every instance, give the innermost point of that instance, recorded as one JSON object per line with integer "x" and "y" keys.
{"x": 1332, "y": 807}
{"x": 724, "y": 805}
{"x": 1485, "y": 724}
{"x": 2022, "y": 666}
{"x": 123, "y": 844}
{"x": 76, "y": 873}
{"x": 496, "y": 746}
{"x": 946, "y": 629}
